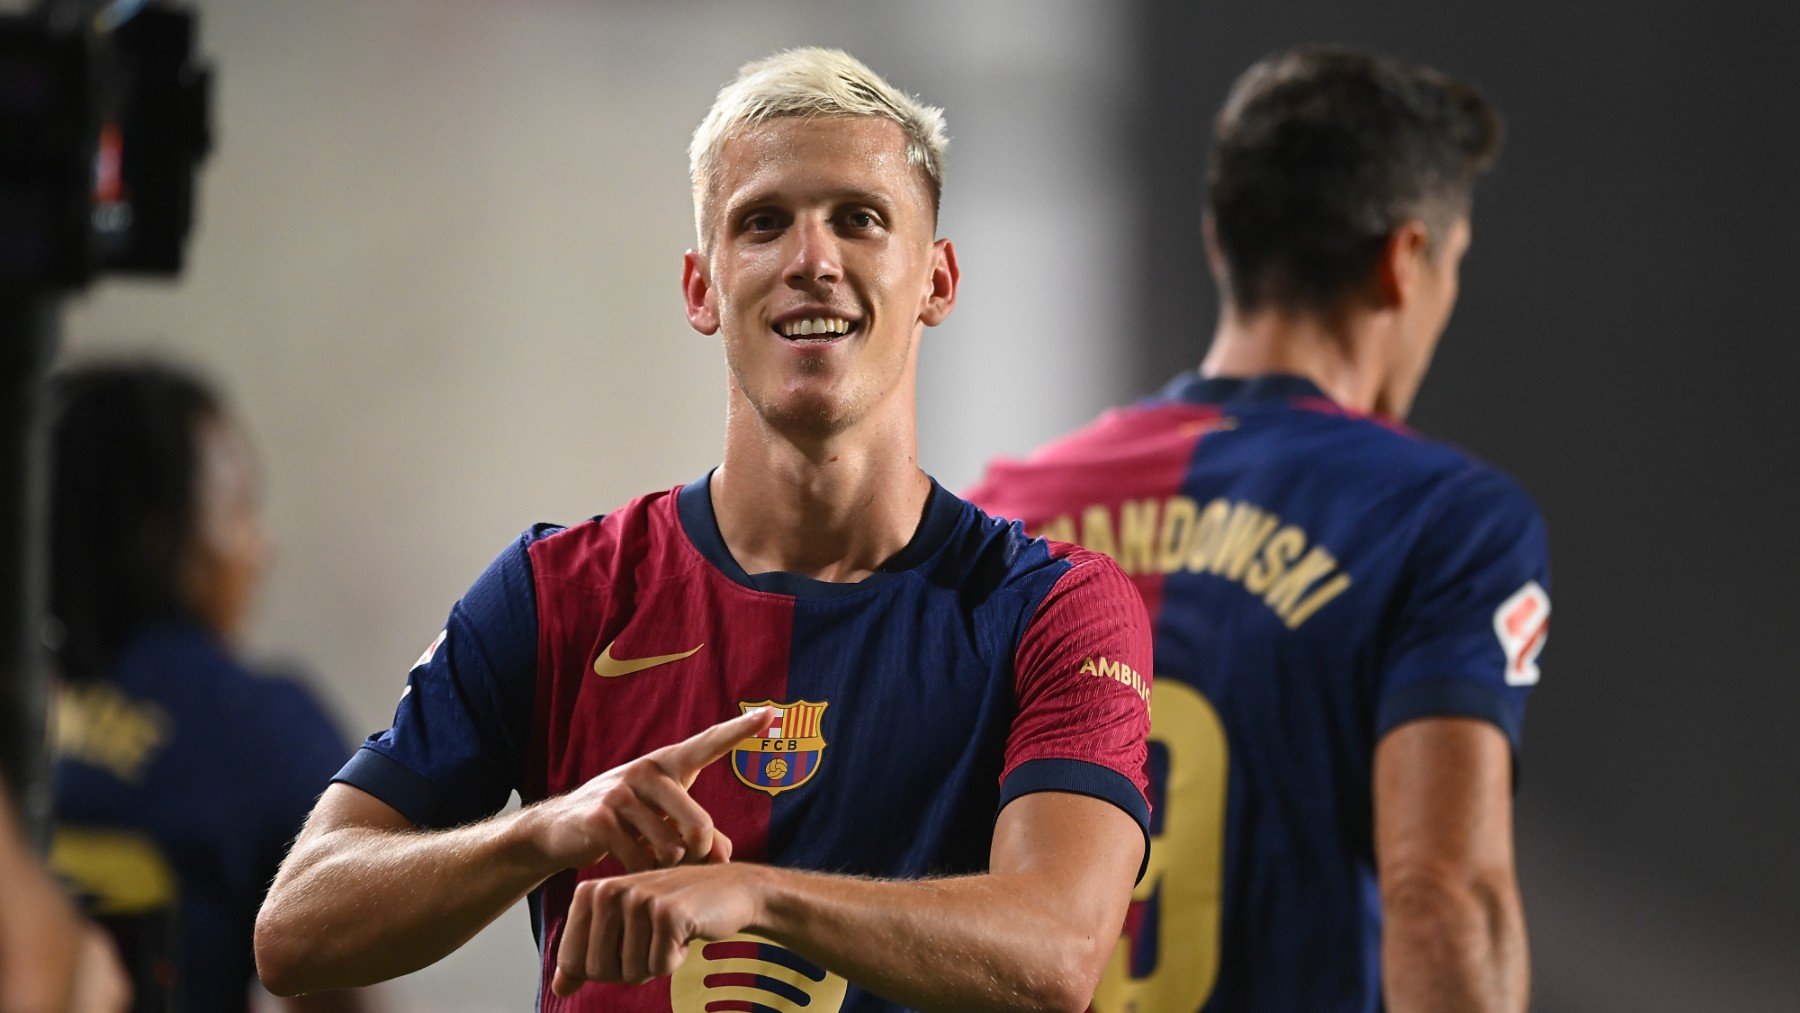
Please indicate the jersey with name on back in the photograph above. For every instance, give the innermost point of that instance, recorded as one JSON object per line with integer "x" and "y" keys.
{"x": 977, "y": 665}
{"x": 181, "y": 778}
{"x": 1315, "y": 579}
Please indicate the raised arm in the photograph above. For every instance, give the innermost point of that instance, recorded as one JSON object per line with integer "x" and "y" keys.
{"x": 1033, "y": 933}
{"x": 1453, "y": 936}
{"x": 364, "y": 896}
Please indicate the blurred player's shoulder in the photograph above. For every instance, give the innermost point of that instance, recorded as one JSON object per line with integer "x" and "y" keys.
{"x": 1356, "y": 453}
{"x": 1299, "y": 441}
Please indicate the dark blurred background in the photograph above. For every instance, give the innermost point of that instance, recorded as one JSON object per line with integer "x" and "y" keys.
{"x": 437, "y": 258}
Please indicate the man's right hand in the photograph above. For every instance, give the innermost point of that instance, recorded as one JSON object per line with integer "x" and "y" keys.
{"x": 398, "y": 898}
{"x": 640, "y": 812}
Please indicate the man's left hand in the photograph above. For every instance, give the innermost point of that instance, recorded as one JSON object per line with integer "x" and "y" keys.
{"x": 634, "y": 928}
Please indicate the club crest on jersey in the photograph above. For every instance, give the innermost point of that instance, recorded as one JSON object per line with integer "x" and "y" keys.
{"x": 788, "y": 754}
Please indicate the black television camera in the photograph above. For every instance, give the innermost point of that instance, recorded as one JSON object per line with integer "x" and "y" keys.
{"x": 103, "y": 122}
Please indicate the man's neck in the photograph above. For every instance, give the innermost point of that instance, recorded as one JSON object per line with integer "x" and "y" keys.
{"x": 1335, "y": 351}
{"x": 833, "y": 509}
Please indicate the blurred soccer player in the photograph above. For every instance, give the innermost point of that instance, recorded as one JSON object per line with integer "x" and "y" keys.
{"x": 944, "y": 719}
{"x": 181, "y": 776}
{"x": 1347, "y": 615}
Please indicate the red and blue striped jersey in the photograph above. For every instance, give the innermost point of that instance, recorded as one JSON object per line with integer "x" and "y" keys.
{"x": 975, "y": 666}
{"x": 1315, "y": 578}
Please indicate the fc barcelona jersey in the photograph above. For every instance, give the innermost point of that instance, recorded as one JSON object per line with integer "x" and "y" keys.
{"x": 1315, "y": 579}
{"x": 975, "y": 666}
{"x": 181, "y": 778}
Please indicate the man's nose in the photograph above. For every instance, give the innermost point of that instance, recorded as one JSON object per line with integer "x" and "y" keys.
{"x": 816, "y": 257}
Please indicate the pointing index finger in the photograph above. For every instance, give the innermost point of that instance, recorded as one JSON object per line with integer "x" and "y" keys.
{"x": 685, "y": 759}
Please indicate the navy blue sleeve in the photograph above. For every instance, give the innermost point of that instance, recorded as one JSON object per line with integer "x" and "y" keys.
{"x": 456, "y": 750}
{"x": 1474, "y": 611}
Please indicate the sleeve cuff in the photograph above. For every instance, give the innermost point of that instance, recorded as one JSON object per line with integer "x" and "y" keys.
{"x": 1080, "y": 777}
{"x": 411, "y": 793}
{"x": 1451, "y": 699}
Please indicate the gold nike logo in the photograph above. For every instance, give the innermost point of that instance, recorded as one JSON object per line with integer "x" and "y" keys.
{"x": 608, "y": 667}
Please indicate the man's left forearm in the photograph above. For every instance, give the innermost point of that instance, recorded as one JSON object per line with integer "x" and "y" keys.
{"x": 990, "y": 942}
{"x": 1032, "y": 934}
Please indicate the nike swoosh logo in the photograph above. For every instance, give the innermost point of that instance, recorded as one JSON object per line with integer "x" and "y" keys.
{"x": 608, "y": 667}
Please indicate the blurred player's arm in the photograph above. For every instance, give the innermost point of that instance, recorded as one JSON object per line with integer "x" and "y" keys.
{"x": 50, "y": 959}
{"x": 1033, "y": 933}
{"x": 1453, "y": 936}
{"x": 364, "y": 896}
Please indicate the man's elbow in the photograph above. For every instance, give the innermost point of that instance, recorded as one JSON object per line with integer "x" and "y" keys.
{"x": 279, "y": 962}
{"x": 1453, "y": 942}
{"x": 286, "y": 961}
{"x": 1072, "y": 970}
{"x": 1482, "y": 904}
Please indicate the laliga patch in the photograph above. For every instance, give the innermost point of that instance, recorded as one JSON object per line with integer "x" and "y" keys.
{"x": 430, "y": 652}
{"x": 750, "y": 973}
{"x": 788, "y": 754}
{"x": 1522, "y": 622}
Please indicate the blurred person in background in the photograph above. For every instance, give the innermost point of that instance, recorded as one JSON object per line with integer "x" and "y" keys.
{"x": 181, "y": 776}
{"x": 51, "y": 959}
{"x": 1348, "y": 616}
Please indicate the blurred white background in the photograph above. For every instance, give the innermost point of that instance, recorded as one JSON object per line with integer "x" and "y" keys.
{"x": 436, "y": 271}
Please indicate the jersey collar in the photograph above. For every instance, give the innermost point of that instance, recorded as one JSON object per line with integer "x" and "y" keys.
{"x": 1217, "y": 390}
{"x": 694, "y": 503}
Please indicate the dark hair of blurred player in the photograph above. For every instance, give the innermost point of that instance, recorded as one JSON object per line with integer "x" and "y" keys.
{"x": 1319, "y": 156}
{"x": 1333, "y": 173}
{"x": 1348, "y": 615}
{"x": 127, "y": 549}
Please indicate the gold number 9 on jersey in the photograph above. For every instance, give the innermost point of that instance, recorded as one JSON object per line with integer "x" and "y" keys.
{"x": 1186, "y": 871}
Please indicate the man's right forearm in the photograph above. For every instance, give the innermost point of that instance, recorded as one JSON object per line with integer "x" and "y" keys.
{"x": 364, "y": 896}
{"x": 356, "y": 905}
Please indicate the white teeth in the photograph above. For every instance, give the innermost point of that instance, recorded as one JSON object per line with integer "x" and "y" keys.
{"x": 815, "y": 325}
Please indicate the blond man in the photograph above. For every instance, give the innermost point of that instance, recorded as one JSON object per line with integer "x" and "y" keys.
{"x": 808, "y": 732}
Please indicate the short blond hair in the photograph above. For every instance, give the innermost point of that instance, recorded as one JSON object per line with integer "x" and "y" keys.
{"x": 812, "y": 82}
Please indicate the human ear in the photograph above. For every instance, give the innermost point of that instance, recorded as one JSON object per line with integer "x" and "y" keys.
{"x": 1404, "y": 259}
{"x": 697, "y": 293}
{"x": 1215, "y": 258}
{"x": 940, "y": 298}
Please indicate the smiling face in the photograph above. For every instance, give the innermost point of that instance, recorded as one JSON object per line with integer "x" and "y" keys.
{"x": 820, "y": 269}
